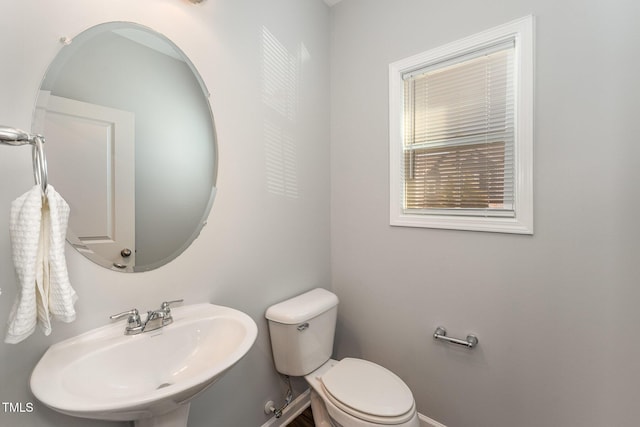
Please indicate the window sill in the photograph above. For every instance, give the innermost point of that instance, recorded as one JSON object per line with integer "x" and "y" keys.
{"x": 495, "y": 225}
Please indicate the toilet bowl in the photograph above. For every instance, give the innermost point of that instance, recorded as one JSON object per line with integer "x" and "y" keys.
{"x": 346, "y": 393}
{"x": 359, "y": 393}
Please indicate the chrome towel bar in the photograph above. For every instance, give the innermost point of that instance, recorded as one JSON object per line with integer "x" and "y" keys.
{"x": 441, "y": 334}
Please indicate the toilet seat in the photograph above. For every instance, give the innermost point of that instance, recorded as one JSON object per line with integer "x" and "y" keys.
{"x": 369, "y": 392}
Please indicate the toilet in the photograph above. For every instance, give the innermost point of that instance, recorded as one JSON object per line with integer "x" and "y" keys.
{"x": 346, "y": 393}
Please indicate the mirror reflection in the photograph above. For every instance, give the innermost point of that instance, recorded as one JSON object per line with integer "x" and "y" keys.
{"x": 130, "y": 145}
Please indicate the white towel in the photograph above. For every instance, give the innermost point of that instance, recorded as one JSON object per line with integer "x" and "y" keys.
{"x": 38, "y": 226}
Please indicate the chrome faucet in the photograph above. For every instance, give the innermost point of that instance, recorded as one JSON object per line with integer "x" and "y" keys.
{"x": 156, "y": 319}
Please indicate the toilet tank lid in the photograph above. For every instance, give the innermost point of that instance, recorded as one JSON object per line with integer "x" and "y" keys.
{"x": 302, "y": 307}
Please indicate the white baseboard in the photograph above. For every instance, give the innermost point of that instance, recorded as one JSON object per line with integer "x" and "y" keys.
{"x": 295, "y": 408}
{"x": 302, "y": 402}
{"x": 428, "y": 422}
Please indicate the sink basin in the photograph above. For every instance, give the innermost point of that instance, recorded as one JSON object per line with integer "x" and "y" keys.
{"x": 149, "y": 378}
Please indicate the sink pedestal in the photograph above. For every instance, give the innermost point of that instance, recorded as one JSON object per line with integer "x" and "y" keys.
{"x": 176, "y": 418}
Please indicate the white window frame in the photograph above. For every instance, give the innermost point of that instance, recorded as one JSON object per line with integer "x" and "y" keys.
{"x": 521, "y": 31}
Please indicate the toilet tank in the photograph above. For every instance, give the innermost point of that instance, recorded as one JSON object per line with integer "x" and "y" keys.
{"x": 302, "y": 329}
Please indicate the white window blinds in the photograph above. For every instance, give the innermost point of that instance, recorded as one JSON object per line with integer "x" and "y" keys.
{"x": 458, "y": 135}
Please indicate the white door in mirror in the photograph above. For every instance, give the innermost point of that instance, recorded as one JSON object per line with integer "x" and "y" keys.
{"x": 97, "y": 143}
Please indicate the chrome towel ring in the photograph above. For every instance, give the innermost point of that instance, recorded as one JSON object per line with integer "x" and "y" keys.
{"x": 16, "y": 137}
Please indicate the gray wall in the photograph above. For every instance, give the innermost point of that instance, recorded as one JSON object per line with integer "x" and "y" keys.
{"x": 556, "y": 313}
{"x": 261, "y": 244}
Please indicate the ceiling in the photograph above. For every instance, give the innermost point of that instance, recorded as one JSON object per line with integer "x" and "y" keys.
{"x": 331, "y": 2}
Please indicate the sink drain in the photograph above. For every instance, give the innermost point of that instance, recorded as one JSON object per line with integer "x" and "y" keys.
{"x": 163, "y": 385}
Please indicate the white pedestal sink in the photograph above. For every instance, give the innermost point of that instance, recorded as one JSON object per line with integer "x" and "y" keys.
{"x": 148, "y": 378}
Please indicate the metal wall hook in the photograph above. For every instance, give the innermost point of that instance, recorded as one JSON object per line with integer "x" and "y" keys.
{"x": 441, "y": 334}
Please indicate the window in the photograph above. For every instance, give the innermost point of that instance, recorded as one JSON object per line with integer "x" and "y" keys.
{"x": 461, "y": 134}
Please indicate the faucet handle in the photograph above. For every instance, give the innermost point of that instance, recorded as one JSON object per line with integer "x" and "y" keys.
{"x": 165, "y": 305}
{"x": 134, "y": 317}
{"x": 132, "y": 312}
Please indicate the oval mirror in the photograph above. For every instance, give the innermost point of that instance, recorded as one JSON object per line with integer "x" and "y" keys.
{"x": 130, "y": 144}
